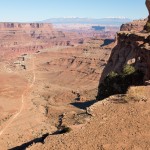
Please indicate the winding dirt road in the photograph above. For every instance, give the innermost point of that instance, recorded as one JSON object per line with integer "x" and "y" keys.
{"x": 22, "y": 101}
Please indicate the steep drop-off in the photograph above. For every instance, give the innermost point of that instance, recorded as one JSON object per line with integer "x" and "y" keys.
{"x": 132, "y": 49}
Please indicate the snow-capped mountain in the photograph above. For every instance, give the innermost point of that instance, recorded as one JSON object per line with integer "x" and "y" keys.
{"x": 76, "y": 20}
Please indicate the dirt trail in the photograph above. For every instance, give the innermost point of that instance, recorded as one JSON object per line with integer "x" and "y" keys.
{"x": 22, "y": 100}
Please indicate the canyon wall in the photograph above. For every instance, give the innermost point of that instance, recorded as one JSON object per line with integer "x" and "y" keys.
{"x": 132, "y": 49}
{"x": 25, "y": 26}
{"x": 21, "y": 38}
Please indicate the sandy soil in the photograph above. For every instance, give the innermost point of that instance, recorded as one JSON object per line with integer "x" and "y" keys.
{"x": 116, "y": 124}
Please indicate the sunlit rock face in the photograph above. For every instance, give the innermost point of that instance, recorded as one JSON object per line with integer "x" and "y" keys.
{"x": 136, "y": 25}
{"x": 148, "y": 7}
{"x": 147, "y": 26}
{"x": 132, "y": 49}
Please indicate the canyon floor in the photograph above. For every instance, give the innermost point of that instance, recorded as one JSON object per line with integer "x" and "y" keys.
{"x": 38, "y": 88}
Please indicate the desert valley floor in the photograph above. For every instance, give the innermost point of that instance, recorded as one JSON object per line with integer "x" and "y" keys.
{"x": 36, "y": 89}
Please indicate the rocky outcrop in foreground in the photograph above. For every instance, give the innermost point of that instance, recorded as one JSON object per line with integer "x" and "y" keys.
{"x": 132, "y": 49}
{"x": 129, "y": 63}
{"x": 136, "y": 25}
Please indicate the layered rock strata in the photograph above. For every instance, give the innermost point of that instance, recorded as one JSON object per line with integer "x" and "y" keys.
{"x": 25, "y": 26}
{"x": 22, "y": 38}
{"x": 133, "y": 49}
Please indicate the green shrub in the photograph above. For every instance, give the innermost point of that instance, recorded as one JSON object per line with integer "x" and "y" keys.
{"x": 128, "y": 69}
{"x": 112, "y": 75}
{"x": 147, "y": 26}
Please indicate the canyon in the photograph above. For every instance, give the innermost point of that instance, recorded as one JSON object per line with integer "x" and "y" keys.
{"x": 19, "y": 38}
{"x": 52, "y": 80}
{"x": 119, "y": 121}
{"x": 46, "y": 73}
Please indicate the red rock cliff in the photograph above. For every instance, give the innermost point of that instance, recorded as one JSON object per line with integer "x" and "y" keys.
{"x": 25, "y": 26}
{"x": 136, "y": 25}
{"x": 131, "y": 48}
{"x": 20, "y": 38}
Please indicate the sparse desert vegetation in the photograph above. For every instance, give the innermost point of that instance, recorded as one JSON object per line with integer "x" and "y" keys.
{"x": 138, "y": 93}
{"x": 118, "y": 83}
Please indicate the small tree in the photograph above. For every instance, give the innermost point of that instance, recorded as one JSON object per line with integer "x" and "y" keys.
{"x": 128, "y": 69}
{"x": 112, "y": 74}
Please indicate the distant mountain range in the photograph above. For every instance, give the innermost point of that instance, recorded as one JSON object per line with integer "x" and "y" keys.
{"x": 76, "y": 20}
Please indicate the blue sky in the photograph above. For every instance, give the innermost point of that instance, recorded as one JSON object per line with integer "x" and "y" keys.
{"x": 36, "y": 10}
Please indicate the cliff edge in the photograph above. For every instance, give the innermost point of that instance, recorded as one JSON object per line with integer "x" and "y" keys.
{"x": 129, "y": 62}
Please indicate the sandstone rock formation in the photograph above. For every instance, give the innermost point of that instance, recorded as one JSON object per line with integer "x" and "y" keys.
{"x": 148, "y": 7}
{"x": 21, "y": 38}
{"x": 25, "y": 26}
{"x": 136, "y": 25}
{"x": 133, "y": 49}
{"x": 147, "y": 26}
